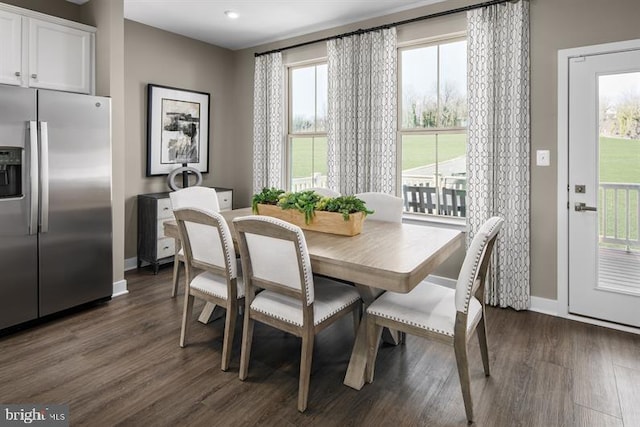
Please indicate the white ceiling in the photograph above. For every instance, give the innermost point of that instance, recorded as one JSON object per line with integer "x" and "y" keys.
{"x": 260, "y": 21}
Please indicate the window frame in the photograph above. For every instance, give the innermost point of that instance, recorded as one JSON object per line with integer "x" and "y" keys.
{"x": 435, "y": 131}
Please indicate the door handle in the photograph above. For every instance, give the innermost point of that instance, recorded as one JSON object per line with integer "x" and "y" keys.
{"x": 44, "y": 177}
{"x": 581, "y": 207}
{"x": 33, "y": 176}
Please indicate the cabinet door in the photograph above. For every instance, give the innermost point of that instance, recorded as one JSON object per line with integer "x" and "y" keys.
{"x": 59, "y": 57}
{"x": 11, "y": 51}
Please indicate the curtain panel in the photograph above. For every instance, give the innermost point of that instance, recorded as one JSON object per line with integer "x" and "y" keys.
{"x": 362, "y": 112}
{"x": 268, "y": 122}
{"x": 498, "y": 146}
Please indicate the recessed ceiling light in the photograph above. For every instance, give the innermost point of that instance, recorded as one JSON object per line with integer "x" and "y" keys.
{"x": 231, "y": 14}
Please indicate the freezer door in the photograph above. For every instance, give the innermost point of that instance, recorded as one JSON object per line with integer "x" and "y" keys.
{"x": 75, "y": 253}
{"x": 18, "y": 248}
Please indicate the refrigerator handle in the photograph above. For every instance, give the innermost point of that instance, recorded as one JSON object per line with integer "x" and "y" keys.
{"x": 33, "y": 176}
{"x": 44, "y": 177}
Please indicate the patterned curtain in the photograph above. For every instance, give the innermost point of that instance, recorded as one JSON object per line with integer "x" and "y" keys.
{"x": 361, "y": 134}
{"x": 268, "y": 122}
{"x": 498, "y": 143}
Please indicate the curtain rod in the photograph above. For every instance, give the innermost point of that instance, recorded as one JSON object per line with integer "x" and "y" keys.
{"x": 386, "y": 26}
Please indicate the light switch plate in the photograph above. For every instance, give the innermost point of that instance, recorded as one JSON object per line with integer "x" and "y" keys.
{"x": 542, "y": 158}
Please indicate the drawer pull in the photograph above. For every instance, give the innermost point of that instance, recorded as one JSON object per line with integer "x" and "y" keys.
{"x": 17, "y": 74}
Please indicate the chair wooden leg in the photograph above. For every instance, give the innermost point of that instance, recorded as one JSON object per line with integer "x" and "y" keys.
{"x": 484, "y": 348}
{"x": 229, "y": 331}
{"x": 176, "y": 276}
{"x": 374, "y": 332}
{"x": 186, "y": 315}
{"x": 460, "y": 348}
{"x": 306, "y": 357}
{"x": 245, "y": 351}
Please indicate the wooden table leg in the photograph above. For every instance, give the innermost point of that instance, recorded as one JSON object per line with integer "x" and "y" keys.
{"x": 354, "y": 377}
{"x": 209, "y": 313}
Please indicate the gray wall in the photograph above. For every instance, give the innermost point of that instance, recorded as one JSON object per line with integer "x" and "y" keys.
{"x": 159, "y": 57}
{"x": 555, "y": 24}
{"x": 561, "y": 24}
{"x": 107, "y": 17}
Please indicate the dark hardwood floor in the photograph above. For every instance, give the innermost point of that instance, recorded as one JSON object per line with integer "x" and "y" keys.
{"x": 120, "y": 364}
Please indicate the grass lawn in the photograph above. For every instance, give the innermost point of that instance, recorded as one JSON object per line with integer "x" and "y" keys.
{"x": 620, "y": 162}
{"x": 420, "y": 150}
{"x": 309, "y": 154}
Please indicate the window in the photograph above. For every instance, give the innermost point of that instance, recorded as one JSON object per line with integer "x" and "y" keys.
{"x": 433, "y": 122}
{"x": 307, "y": 136}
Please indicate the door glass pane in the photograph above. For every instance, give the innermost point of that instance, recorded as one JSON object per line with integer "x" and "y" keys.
{"x": 619, "y": 180}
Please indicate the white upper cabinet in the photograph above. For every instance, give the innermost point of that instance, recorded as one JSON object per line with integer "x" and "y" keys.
{"x": 59, "y": 57}
{"x": 45, "y": 52}
{"x": 11, "y": 51}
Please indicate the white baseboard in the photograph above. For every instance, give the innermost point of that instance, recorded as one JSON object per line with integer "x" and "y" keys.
{"x": 119, "y": 288}
{"x": 549, "y": 307}
{"x": 130, "y": 264}
{"x": 544, "y": 306}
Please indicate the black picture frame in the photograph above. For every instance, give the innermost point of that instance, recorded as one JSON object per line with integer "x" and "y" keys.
{"x": 177, "y": 129}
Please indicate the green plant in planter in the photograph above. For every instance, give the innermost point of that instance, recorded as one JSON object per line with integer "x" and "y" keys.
{"x": 268, "y": 196}
{"x": 303, "y": 201}
{"x": 308, "y": 202}
{"x": 346, "y": 205}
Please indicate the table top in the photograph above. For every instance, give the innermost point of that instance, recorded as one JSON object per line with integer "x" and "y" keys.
{"x": 386, "y": 255}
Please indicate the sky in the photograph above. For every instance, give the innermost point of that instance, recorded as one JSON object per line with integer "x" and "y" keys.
{"x": 613, "y": 87}
{"x": 419, "y": 74}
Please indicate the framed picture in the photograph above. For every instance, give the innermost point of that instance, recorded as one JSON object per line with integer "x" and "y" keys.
{"x": 177, "y": 129}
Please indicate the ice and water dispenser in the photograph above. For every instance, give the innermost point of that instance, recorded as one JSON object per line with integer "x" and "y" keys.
{"x": 10, "y": 172}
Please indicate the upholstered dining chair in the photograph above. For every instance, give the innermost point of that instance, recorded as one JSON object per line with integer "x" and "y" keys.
{"x": 443, "y": 314}
{"x": 385, "y": 207}
{"x": 208, "y": 246}
{"x": 191, "y": 197}
{"x": 325, "y": 192}
{"x": 275, "y": 258}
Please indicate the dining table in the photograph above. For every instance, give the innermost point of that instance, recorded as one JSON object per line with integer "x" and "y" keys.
{"x": 385, "y": 256}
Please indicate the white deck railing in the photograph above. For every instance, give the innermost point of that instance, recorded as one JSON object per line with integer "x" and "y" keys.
{"x": 301, "y": 184}
{"x": 619, "y": 207}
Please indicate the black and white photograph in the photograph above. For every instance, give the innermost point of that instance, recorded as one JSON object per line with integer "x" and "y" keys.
{"x": 177, "y": 129}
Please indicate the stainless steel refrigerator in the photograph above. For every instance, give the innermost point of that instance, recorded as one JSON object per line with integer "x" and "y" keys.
{"x": 55, "y": 202}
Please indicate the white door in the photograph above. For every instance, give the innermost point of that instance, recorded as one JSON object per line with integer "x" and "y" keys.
{"x": 604, "y": 184}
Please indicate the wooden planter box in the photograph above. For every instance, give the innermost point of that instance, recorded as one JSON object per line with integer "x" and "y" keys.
{"x": 324, "y": 222}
